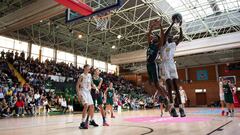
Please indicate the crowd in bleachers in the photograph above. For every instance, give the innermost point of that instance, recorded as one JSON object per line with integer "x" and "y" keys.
{"x": 32, "y": 96}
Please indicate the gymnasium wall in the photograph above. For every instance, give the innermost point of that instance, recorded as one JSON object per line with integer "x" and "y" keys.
{"x": 190, "y": 85}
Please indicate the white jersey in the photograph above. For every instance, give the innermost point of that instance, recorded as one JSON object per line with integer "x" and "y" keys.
{"x": 86, "y": 82}
{"x": 220, "y": 87}
{"x": 168, "y": 51}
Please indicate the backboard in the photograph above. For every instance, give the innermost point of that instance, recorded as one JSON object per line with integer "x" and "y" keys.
{"x": 98, "y": 6}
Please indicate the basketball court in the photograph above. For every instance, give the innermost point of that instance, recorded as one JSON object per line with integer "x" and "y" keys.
{"x": 199, "y": 121}
{"x": 111, "y": 35}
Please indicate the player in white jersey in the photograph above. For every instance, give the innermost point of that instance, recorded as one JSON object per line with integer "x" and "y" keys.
{"x": 170, "y": 70}
{"x": 83, "y": 88}
{"x": 221, "y": 95}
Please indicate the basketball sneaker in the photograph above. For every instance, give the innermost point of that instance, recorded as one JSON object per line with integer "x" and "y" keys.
{"x": 227, "y": 113}
{"x": 105, "y": 124}
{"x": 83, "y": 125}
{"x": 166, "y": 104}
{"x": 182, "y": 113}
{"x": 93, "y": 123}
{"x": 223, "y": 112}
{"x": 173, "y": 112}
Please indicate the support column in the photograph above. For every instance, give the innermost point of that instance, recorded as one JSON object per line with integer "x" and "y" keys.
{"x": 92, "y": 62}
{"x": 106, "y": 66}
{"x": 217, "y": 72}
{"x": 29, "y": 49}
{"x": 55, "y": 54}
{"x": 40, "y": 54}
{"x": 186, "y": 74}
{"x": 75, "y": 60}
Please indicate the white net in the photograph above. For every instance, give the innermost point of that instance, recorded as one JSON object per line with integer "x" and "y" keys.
{"x": 102, "y": 21}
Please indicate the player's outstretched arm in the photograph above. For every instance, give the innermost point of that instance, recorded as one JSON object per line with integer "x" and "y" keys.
{"x": 161, "y": 35}
{"x": 149, "y": 33}
{"x": 167, "y": 32}
{"x": 94, "y": 86}
{"x": 100, "y": 84}
{"x": 181, "y": 35}
{"x": 155, "y": 94}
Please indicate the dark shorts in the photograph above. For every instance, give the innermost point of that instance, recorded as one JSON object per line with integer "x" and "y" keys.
{"x": 228, "y": 97}
{"x": 153, "y": 72}
{"x": 97, "y": 97}
{"x": 109, "y": 101}
{"x": 161, "y": 99}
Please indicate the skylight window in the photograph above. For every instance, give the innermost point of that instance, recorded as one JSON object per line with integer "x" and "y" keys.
{"x": 197, "y": 9}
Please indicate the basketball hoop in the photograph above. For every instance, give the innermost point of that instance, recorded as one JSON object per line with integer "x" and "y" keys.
{"x": 102, "y": 21}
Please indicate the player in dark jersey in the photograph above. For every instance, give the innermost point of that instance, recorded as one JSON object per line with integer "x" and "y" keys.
{"x": 228, "y": 97}
{"x": 109, "y": 95}
{"x": 155, "y": 43}
{"x": 98, "y": 96}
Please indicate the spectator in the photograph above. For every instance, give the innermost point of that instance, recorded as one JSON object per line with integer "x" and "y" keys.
{"x": 2, "y": 54}
{"x": 70, "y": 105}
{"x": 46, "y": 105}
{"x": 20, "y": 107}
{"x": 37, "y": 98}
{"x": 5, "y": 110}
{"x": 26, "y": 88}
{"x": 183, "y": 96}
{"x": 1, "y": 94}
{"x": 29, "y": 104}
{"x": 64, "y": 105}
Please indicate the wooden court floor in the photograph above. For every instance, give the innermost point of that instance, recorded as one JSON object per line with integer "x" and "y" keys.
{"x": 199, "y": 121}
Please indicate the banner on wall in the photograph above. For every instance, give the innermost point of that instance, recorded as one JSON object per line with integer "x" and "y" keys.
{"x": 202, "y": 75}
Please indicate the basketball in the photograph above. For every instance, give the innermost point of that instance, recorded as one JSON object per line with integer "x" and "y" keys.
{"x": 177, "y": 17}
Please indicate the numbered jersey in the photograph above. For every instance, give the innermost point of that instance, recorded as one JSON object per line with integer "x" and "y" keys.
{"x": 152, "y": 53}
{"x": 226, "y": 89}
{"x": 168, "y": 51}
{"x": 97, "y": 81}
{"x": 86, "y": 82}
{"x": 110, "y": 93}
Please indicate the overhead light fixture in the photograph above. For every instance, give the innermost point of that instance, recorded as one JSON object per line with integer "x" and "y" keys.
{"x": 79, "y": 36}
{"x": 41, "y": 21}
{"x": 113, "y": 47}
{"x": 119, "y": 36}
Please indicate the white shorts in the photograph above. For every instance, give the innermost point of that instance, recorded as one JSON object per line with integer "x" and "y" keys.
{"x": 221, "y": 95}
{"x": 183, "y": 100}
{"x": 169, "y": 70}
{"x": 86, "y": 97}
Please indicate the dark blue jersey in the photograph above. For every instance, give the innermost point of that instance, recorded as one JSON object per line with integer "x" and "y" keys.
{"x": 152, "y": 53}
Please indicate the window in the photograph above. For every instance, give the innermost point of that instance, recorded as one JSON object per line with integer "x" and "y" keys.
{"x": 81, "y": 61}
{"x": 65, "y": 57}
{"x": 112, "y": 68}
{"x": 100, "y": 64}
{"x": 35, "y": 51}
{"x": 20, "y": 46}
{"x": 89, "y": 61}
{"x": 47, "y": 53}
{"x": 8, "y": 44}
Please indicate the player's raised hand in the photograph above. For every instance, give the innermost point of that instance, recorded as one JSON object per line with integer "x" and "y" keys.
{"x": 180, "y": 23}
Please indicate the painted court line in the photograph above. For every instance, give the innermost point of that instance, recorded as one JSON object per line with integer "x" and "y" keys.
{"x": 219, "y": 128}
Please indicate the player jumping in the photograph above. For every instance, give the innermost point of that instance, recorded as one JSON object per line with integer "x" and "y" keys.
{"x": 170, "y": 70}
{"x": 155, "y": 43}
